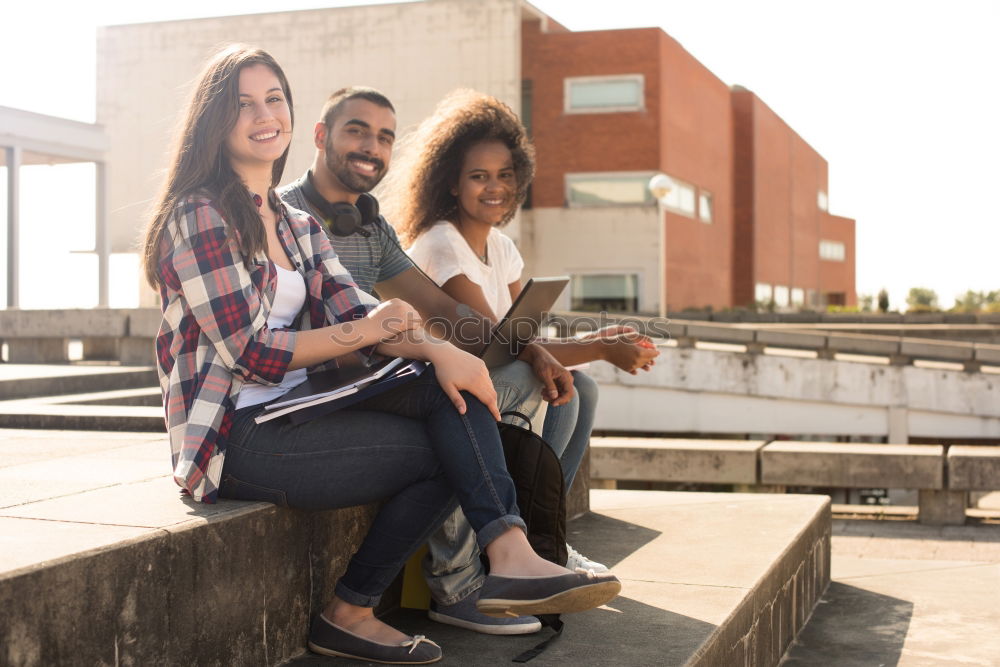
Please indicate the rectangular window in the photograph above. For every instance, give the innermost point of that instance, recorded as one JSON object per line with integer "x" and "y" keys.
{"x": 832, "y": 250}
{"x": 681, "y": 199}
{"x": 611, "y": 189}
{"x": 604, "y": 94}
{"x": 704, "y": 206}
{"x": 762, "y": 293}
{"x": 605, "y": 292}
{"x": 780, "y": 295}
{"x": 822, "y": 201}
{"x": 798, "y": 296}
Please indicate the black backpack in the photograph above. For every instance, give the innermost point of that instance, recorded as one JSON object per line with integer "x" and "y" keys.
{"x": 541, "y": 498}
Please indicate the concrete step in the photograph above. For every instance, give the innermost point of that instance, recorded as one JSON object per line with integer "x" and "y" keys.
{"x": 46, "y": 414}
{"x": 709, "y": 579}
{"x": 29, "y": 380}
{"x": 92, "y": 527}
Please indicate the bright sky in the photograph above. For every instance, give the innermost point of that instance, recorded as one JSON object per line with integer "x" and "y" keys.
{"x": 899, "y": 96}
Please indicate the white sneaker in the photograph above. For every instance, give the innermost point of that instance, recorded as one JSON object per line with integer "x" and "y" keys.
{"x": 578, "y": 560}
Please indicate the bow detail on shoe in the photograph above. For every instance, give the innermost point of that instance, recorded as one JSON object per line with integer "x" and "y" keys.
{"x": 415, "y": 641}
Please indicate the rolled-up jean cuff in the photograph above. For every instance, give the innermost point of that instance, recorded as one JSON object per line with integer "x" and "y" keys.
{"x": 498, "y": 527}
{"x": 350, "y": 597}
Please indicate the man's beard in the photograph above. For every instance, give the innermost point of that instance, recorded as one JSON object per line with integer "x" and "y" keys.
{"x": 351, "y": 180}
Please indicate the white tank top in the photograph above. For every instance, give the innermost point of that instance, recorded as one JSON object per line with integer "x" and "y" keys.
{"x": 289, "y": 297}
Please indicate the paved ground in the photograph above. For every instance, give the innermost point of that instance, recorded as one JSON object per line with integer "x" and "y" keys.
{"x": 909, "y": 595}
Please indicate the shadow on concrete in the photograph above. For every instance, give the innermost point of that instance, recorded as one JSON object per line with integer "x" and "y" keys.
{"x": 607, "y": 540}
{"x": 852, "y": 627}
{"x": 626, "y": 632}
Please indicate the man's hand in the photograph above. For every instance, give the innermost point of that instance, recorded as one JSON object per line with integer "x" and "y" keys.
{"x": 557, "y": 382}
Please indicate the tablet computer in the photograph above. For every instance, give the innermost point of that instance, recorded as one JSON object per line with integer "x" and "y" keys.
{"x": 521, "y": 323}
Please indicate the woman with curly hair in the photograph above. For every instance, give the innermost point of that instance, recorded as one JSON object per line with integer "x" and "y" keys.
{"x": 252, "y": 296}
{"x": 469, "y": 172}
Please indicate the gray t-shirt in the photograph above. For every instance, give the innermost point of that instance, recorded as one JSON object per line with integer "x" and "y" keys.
{"x": 370, "y": 259}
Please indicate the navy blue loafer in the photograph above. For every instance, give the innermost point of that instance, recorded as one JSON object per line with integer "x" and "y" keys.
{"x": 326, "y": 638}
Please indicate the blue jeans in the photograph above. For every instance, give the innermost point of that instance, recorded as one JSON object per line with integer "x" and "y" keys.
{"x": 452, "y": 567}
{"x": 408, "y": 447}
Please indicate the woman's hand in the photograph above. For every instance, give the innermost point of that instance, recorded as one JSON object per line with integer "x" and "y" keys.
{"x": 459, "y": 371}
{"x": 391, "y": 318}
{"x": 629, "y": 351}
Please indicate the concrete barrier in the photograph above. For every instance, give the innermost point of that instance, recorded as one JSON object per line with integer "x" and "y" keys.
{"x": 670, "y": 460}
{"x": 853, "y": 465}
{"x": 973, "y": 468}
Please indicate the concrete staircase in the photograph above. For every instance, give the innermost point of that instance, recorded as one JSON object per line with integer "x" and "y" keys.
{"x": 102, "y": 562}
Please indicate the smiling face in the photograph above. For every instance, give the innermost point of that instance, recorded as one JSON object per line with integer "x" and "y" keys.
{"x": 263, "y": 127}
{"x": 486, "y": 184}
{"x": 358, "y": 146}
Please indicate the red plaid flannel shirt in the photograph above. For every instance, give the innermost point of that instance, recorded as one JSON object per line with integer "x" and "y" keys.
{"x": 214, "y": 335}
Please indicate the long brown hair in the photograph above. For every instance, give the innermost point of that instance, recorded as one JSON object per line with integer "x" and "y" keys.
{"x": 463, "y": 118}
{"x": 200, "y": 162}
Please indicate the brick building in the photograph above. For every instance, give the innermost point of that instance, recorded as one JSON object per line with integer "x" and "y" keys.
{"x": 607, "y": 110}
{"x": 747, "y": 220}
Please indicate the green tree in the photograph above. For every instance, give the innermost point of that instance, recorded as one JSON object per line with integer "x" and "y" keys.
{"x": 921, "y": 300}
{"x": 865, "y": 302}
{"x": 970, "y": 302}
{"x": 883, "y": 300}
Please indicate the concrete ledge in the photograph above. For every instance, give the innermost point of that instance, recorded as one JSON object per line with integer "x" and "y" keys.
{"x": 942, "y": 351}
{"x": 671, "y": 460}
{"x": 852, "y": 465}
{"x": 805, "y": 340}
{"x": 78, "y": 323}
{"x": 973, "y": 468}
{"x": 31, "y": 380}
{"x": 89, "y": 535}
{"x": 719, "y": 334}
{"x": 863, "y": 344}
{"x": 708, "y": 580}
{"x": 987, "y": 354}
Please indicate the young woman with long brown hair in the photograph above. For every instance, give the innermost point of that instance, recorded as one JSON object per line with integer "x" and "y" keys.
{"x": 252, "y": 295}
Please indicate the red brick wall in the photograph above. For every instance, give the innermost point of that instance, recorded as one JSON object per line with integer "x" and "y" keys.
{"x": 743, "y": 198}
{"x": 588, "y": 142}
{"x": 778, "y": 177}
{"x": 838, "y": 276}
{"x": 684, "y": 130}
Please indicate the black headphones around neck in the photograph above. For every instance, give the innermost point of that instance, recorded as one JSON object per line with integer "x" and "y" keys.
{"x": 343, "y": 218}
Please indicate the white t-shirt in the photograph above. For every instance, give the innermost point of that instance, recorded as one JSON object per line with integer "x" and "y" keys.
{"x": 289, "y": 297}
{"x": 443, "y": 253}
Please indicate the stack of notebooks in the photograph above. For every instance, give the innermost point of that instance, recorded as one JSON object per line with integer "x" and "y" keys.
{"x": 329, "y": 390}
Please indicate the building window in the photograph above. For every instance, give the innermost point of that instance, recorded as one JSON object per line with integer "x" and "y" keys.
{"x": 704, "y": 206}
{"x": 832, "y": 250}
{"x": 836, "y": 299}
{"x": 610, "y": 292}
{"x": 762, "y": 293}
{"x": 681, "y": 199}
{"x": 781, "y": 295}
{"x": 798, "y": 297}
{"x": 822, "y": 201}
{"x": 604, "y": 94}
{"x": 611, "y": 189}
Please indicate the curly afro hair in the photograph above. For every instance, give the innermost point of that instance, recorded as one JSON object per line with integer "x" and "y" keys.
{"x": 437, "y": 150}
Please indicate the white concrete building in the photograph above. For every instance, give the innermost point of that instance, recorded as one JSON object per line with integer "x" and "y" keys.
{"x": 413, "y": 52}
